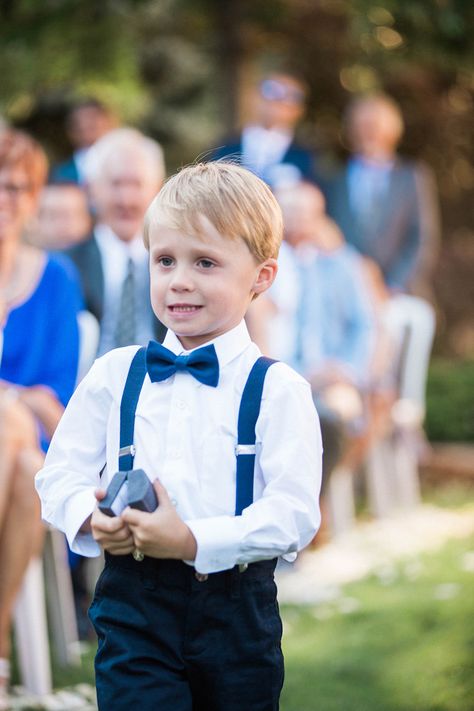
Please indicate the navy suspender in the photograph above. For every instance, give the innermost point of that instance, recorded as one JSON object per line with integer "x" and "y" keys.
{"x": 245, "y": 449}
{"x": 248, "y": 415}
{"x": 128, "y": 405}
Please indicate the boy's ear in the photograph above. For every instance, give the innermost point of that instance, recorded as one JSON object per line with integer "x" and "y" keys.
{"x": 266, "y": 274}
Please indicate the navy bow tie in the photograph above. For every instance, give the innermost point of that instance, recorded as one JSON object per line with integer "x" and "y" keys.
{"x": 202, "y": 363}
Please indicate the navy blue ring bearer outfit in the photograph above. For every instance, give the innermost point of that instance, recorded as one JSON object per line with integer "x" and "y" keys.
{"x": 170, "y": 639}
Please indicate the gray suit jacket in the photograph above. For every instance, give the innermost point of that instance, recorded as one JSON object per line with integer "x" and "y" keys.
{"x": 403, "y": 237}
{"x": 88, "y": 261}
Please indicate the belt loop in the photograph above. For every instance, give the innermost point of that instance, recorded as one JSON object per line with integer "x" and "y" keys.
{"x": 235, "y": 581}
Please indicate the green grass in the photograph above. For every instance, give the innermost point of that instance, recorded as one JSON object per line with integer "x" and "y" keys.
{"x": 399, "y": 649}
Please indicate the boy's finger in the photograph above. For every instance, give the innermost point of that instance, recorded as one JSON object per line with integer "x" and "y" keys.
{"x": 161, "y": 493}
{"x": 110, "y": 524}
{"x": 132, "y": 517}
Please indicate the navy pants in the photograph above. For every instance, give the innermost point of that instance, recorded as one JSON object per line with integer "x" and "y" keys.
{"x": 170, "y": 642}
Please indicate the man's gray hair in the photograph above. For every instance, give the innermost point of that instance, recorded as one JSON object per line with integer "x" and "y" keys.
{"x": 124, "y": 139}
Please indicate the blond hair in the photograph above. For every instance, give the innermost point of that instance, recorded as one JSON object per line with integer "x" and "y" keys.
{"x": 234, "y": 200}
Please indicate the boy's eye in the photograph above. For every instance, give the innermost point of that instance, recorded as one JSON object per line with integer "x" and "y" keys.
{"x": 165, "y": 261}
{"x": 206, "y": 263}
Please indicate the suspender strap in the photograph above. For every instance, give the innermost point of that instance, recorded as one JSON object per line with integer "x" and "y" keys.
{"x": 248, "y": 415}
{"x": 128, "y": 405}
{"x": 245, "y": 449}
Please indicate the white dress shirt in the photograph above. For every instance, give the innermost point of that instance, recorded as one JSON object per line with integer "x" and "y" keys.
{"x": 115, "y": 254}
{"x": 80, "y": 159}
{"x": 185, "y": 434}
{"x": 264, "y": 147}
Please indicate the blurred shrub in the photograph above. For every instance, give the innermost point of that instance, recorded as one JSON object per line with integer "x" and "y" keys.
{"x": 450, "y": 401}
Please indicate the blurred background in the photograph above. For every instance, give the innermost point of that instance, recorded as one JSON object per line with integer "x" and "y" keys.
{"x": 183, "y": 72}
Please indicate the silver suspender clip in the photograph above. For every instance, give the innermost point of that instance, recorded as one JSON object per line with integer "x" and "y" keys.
{"x": 125, "y": 451}
{"x": 244, "y": 449}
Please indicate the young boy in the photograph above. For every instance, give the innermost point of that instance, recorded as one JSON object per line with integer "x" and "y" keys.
{"x": 185, "y": 609}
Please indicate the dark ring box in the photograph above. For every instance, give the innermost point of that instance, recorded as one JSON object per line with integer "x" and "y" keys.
{"x": 138, "y": 493}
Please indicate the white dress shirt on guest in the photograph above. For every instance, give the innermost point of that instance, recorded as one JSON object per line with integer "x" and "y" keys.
{"x": 264, "y": 147}
{"x": 115, "y": 254}
{"x": 185, "y": 434}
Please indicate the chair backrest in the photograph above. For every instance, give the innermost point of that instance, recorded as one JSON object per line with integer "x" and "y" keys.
{"x": 89, "y": 333}
{"x": 411, "y": 322}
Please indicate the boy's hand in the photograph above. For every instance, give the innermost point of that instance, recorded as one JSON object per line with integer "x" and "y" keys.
{"x": 112, "y": 534}
{"x": 161, "y": 534}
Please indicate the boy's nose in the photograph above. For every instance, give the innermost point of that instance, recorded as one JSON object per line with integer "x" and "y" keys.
{"x": 182, "y": 280}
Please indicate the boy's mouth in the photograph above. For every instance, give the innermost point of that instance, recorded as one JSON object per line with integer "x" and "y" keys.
{"x": 183, "y": 308}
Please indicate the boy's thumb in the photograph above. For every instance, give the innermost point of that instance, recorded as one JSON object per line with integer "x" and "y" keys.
{"x": 100, "y": 494}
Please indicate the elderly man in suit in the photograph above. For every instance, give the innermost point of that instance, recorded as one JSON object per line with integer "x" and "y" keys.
{"x": 124, "y": 171}
{"x": 385, "y": 206}
{"x": 267, "y": 145}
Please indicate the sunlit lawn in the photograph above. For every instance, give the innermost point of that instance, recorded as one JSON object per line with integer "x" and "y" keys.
{"x": 392, "y": 645}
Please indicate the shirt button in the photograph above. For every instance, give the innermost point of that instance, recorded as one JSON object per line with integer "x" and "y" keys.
{"x": 180, "y": 404}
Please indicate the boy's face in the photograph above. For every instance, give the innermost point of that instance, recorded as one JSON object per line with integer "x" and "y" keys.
{"x": 202, "y": 285}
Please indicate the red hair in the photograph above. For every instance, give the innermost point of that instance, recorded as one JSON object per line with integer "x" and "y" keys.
{"x": 19, "y": 150}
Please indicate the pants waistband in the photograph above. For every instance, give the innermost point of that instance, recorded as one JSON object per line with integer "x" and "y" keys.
{"x": 175, "y": 572}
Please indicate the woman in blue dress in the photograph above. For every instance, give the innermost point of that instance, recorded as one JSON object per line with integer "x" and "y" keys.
{"x": 39, "y": 302}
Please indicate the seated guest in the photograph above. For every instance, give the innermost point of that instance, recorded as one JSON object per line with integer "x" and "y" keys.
{"x": 267, "y": 145}
{"x": 386, "y": 206}
{"x": 125, "y": 170}
{"x": 63, "y": 218}
{"x": 39, "y": 303}
{"x": 87, "y": 121}
{"x": 322, "y": 321}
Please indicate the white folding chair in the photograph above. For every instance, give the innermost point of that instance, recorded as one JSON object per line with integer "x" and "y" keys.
{"x": 341, "y": 501}
{"x": 89, "y": 334}
{"x": 392, "y": 462}
{"x": 31, "y": 627}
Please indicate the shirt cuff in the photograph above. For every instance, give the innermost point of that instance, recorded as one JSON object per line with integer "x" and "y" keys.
{"x": 76, "y": 510}
{"x": 217, "y": 543}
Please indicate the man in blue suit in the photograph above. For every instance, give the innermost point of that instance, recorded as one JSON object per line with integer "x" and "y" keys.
{"x": 267, "y": 146}
{"x": 386, "y": 206}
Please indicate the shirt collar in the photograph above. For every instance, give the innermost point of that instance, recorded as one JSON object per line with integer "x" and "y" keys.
{"x": 358, "y": 161}
{"x": 228, "y": 346}
{"x": 134, "y": 249}
{"x": 257, "y": 131}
